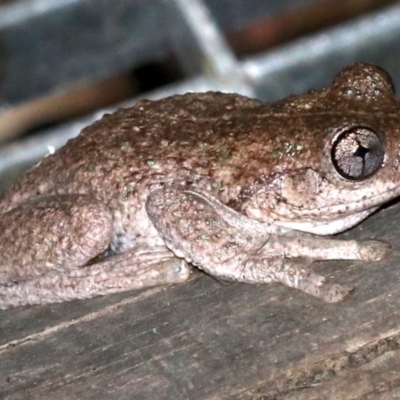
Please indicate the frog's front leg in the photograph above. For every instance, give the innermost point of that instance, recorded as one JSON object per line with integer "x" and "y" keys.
{"x": 46, "y": 244}
{"x": 228, "y": 245}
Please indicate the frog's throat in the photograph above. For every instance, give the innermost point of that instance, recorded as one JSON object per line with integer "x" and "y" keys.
{"x": 329, "y": 227}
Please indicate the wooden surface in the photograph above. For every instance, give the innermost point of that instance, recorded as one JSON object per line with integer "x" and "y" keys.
{"x": 201, "y": 340}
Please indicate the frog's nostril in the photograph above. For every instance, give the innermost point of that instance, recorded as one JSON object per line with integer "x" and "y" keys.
{"x": 357, "y": 153}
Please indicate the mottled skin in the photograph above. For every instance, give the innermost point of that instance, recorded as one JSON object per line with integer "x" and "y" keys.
{"x": 237, "y": 187}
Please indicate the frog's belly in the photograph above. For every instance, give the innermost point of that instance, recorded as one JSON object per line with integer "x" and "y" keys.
{"x": 133, "y": 228}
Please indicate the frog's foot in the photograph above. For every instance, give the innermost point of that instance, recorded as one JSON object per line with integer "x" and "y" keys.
{"x": 295, "y": 273}
{"x": 318, "y": 286}
{"x": 374, "y": 250}
{"x": 135, "y": 269}
{"x": 298, "y": 274}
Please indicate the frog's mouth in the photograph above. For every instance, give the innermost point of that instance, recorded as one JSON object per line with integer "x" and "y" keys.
{"x": 325, "y": 208}
{"x": 338, "y": 214}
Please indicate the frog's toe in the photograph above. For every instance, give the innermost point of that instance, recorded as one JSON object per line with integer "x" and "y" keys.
{"x": 374, "y": 250}
{"x": 179, "y": 271}
{"x": 334, "y": 292}
{"x": 318, "y": 286}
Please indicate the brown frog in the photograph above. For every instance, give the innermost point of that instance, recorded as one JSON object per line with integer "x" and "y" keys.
{"x": 236, "y": 187}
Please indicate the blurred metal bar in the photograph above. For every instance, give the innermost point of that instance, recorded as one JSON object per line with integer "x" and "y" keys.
{"x": 311, "y": 62}
{"x": 209, "y": 53}
{"x": 47, "y": 45}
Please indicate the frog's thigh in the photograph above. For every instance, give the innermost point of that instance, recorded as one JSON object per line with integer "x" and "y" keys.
{"x": 52, "y": 233}
{"x": 135, "y": 269}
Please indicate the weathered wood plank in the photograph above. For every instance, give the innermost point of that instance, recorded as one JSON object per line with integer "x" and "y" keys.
{"x": 202, "y": 340}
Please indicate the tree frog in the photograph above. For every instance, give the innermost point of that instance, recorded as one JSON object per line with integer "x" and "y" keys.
{"x": 244, "y": 190}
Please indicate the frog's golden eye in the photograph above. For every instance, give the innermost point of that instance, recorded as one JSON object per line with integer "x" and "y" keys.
{"x": 357, "y": 153}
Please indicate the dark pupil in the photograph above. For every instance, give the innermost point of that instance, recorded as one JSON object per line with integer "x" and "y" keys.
{"x": 361, "y": 152}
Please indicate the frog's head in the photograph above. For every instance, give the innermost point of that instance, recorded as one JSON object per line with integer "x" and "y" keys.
{"x": 352, "y": 164}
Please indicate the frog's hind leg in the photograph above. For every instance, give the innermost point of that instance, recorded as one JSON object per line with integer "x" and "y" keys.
{"x": 46, "y": 244}
{"x": 135, "y": 269}
{"x": 52, "y": 233}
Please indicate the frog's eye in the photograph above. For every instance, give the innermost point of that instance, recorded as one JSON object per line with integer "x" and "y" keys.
{"x": 357, "y": 153}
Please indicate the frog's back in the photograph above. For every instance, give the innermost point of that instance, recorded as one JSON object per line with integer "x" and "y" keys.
{"x": 204, "y": 138}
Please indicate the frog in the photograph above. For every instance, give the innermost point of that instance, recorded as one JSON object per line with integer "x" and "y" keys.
{"x": 241, "y": 189}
